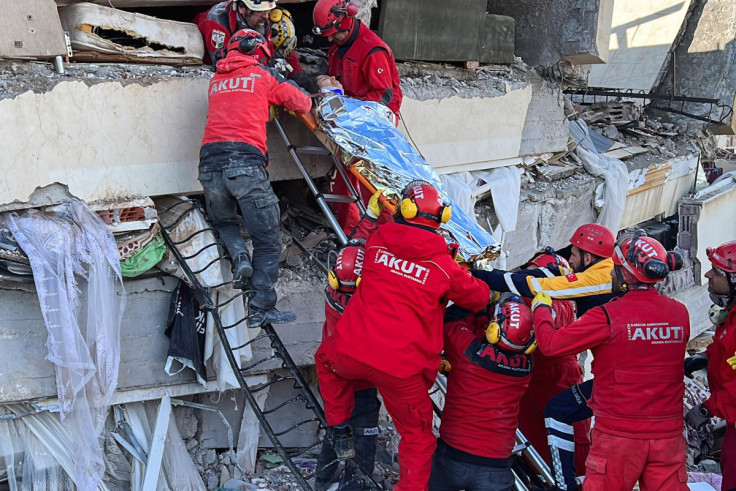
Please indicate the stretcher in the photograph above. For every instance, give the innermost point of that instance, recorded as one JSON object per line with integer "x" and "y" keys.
{"x": 362, "y": 138}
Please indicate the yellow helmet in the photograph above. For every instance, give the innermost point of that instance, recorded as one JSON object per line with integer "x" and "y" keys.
{"x": 283, "y": 33}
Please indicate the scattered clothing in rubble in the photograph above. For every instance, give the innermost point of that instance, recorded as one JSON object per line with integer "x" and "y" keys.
{"x": 142, "y": 261}
{"x": 185, "y": 329}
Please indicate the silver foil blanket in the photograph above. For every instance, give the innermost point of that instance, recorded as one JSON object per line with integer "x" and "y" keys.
{"x": 363, "y": 136}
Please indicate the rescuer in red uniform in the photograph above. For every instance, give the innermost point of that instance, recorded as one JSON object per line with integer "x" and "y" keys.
{"x": 365, "y": 68}
{"x": 391, "y": 332}
{"x": 638, "y": 341}
{"x": 488, "y": 378}
{"x": 232, "y": 167}
{"x": 552, "y": 374}
{"x": 358, "y": 58}
{"x": 720, "y": 358}
{"x": 342, "y": 282}
{"x": 219, "y": 23}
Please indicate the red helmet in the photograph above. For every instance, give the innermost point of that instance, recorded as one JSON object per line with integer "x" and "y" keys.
{"x": 647, "y": 260}
{"x": 346, "y": 272}
{"x": 250, "y": 42}
{"x": 422, "y": 204}
{"x": 594, "y": 239}
{"x": 512, "y": 328}
{"x": 331, "y": 16}
{"x": 550, "y": 260}
{"x": 723, "y": 256}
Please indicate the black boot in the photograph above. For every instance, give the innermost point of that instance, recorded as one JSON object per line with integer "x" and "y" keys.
{"x": 258, "y": 317}
{"x": 364, "y": 421}
{"x": 328, "y": 468}
{"x": 342, "y": 442}
{"x": 242, "y": 271}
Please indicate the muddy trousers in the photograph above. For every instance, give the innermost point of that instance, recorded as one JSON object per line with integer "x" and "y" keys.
{"x": 566, "y": 408}
{"x": 364, "y": 422}
{"x": 407, "y": 402}
{"x": 250, "y": 189}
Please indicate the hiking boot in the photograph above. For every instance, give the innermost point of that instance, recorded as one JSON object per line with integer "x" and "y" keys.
{"x": 257, "y": 317}
{"x": 342, "y": 442}
{"x": 242, "y": 271}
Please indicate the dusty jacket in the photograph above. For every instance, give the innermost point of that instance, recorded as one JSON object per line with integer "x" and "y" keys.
{"x": 721, "y": 377}
{"x": 483, "y": 393}
{"x": 638, "y": 344}
{"x": 366, "y": 68}
{"x": 217, "y": 26}
{"x": 394, "y": 320}
{"x": 239, "y": 96}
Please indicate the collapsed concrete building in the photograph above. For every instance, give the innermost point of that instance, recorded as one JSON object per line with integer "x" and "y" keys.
{"x": 609, "y": 112}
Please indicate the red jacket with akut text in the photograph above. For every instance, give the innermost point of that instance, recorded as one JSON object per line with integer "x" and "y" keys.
{"x": 483, "y": 392}
{"x": 721, "y": 376}
{"x": 638, "y": 343}
{"x": 239, "y": 96}
{"x": 366, "y": 68}
{"x": 394, "y": 319}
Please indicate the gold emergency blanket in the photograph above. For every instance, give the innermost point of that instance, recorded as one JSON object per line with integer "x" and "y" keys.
{"x": 363, "y": 136}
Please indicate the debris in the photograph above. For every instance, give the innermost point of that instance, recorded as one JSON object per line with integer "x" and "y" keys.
{"x": 100, "y": 33}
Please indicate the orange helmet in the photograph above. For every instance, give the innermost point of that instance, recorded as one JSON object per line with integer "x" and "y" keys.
{"x": 512, "y": 327}
{"x": 422, "y": 204}
{"x": 331, "y": 16}
{"x": 250, "y": 42}
{"x": 594, "y": 239}
{"x": 646, "y": 259}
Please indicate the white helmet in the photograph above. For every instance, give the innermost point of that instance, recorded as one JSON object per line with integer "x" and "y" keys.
{"x": 256, "y": 5}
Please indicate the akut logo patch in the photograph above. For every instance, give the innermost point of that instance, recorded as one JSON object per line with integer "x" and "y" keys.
{"x": 656, "y": 333}
{"x": 514, "y": 317}
{"x": 402, "y": 267}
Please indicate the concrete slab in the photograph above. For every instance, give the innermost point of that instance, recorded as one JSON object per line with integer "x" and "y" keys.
{"x": 642, "y": 34}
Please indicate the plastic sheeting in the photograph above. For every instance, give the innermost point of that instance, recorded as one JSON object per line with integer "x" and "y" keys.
{"x": 362, "y": 135}
{"x": 76, "y": 243}
{"x": 611, "y": 196}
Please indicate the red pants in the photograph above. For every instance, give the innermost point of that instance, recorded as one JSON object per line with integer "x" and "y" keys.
{"x": 545, "y": 384}
{"x": 406, "y": 400}
{"x": 616, "y": 463}
{"x": 728, "y": 458}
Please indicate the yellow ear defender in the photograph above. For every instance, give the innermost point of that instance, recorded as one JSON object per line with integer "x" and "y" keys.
{"x": 409, "y": 210}
{"x": 357, "y": 282}
{"x": 493, "y": 333}
{"x": 276, "y": 14}
{"x": 333, "y": 280}
{"x": 531, "y": 348}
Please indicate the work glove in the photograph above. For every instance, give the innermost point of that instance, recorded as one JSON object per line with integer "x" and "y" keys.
{"x": 541, "y": 299}
{"x": 281, "y": 65}
{"x": 695, "y": 363}
{"x": 697, "y": 416}
{"x": 445, "y": 367}
{"x": 376, "y": 204}
{"x": 732, "y": 361}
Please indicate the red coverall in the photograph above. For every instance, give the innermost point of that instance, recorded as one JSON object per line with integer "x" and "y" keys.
{"x": 638, "y": 343}
{"x": 366, "y": 68}
{"x": 483, "y": 393}
{"x": 722, "y": 400}
{"x": 219, "y": 23}
{"x": 391, "y": 336}
{"x": 551, "y": 376}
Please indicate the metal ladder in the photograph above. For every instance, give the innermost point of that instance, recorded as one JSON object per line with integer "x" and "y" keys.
{"x": 302, "y": 393}
{"x": 322, "y": 198}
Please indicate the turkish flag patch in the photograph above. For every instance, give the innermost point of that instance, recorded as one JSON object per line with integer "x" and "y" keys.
{"x": 571, "y": 277}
